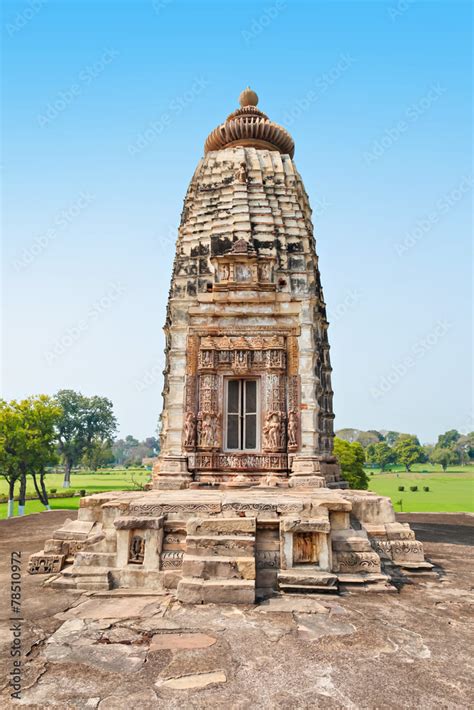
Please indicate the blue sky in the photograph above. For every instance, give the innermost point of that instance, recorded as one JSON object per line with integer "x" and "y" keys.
{"x": 106, "y": 108}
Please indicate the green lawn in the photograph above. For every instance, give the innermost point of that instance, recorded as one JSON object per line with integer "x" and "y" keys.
{"x": 450, "y": 491}
{"x": 91, "y": 481}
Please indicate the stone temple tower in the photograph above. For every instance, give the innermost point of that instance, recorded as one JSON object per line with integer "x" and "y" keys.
{"x": 247, "y": 498}
{"x": 247, "y": 392}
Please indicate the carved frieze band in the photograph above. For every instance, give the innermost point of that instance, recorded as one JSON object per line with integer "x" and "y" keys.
{"x": 172, "y": 559}
{"x": 233, "y": 461}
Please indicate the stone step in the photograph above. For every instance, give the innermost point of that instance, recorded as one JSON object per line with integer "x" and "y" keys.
{"x": 307, "y": 578}
{"x": 96, "y": 559}
{"x": 218, "y": 566}
{"x": 227, "y": 545}
{"x": 233, "y": 591}
{"x": 85, "y": 571}
{"x": 62, "y": 582}
{"x": 93, "y": 586}
{"x": 308, "y": 589}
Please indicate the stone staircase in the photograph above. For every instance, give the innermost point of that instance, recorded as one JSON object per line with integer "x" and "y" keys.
{"x": 219, "y": 561}
{"x": 91, "y": 568}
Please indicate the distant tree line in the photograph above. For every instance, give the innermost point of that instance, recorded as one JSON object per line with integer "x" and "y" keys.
{"x": 385, "y": 449}
{"x": 40, "y": 432}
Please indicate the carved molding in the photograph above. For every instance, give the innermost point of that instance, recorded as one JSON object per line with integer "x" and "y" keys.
{"x": 216, "y": 461}
{"x": 45, "y": 564}
{"x": 172, "y": 559}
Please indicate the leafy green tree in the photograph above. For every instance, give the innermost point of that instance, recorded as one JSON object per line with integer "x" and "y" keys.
{"x": 98, "y": 454}
{"x": 444, "y": 456}
{"x": 351, "y": 457}
{"x": 27, "y": 444}
{"x": 10, "y": 444}
{"x": 380, "y": 455}
{"x": 391, "y": 437}
{"x": 365, "y": 438}
{"x": 85, "y": 423}
{"x": 448, "y": 438}
{"x": 408, "y": 450}
{"x": 465, "y": 447}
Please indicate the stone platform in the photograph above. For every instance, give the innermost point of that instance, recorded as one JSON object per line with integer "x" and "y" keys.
{"x": 234, "y": 546}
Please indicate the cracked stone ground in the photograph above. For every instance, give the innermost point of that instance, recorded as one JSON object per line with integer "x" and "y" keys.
{"x": 409, "y": 649}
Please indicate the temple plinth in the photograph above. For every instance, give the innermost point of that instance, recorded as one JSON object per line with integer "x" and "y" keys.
{"x": 248, "y": 498}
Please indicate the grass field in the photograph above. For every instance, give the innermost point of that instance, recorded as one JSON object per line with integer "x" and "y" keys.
{"x": 91, "y": 481}
{"x": 450, "y": 491}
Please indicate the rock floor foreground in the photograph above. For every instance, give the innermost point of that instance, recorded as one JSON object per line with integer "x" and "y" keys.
{"x": 114, "y": 649}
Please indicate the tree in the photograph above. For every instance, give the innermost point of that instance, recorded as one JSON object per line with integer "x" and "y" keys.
{"x": 408, "y": 450}
{"x": 381, "y": 455}
{"x": 130, "y": 451}
{"x": 27, "y": 445}
{"x": 152, "y": 443}
{"x": 10, "y": 439}
{"x": 391, "y": 437}
{"x": 445, "y": 456}
{"x": 85, "y": 422}
{"x": 349, "y": 435}
{"x": 351, "y": 457}
{"x": 365, "y": 438}
{"x": 465, "y": 447}
{"x": 448, "y": 438}
{"x": 98, "y": 454}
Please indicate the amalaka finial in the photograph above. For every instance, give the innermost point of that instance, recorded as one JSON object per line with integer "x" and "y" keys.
{"x": 248, "y": 97}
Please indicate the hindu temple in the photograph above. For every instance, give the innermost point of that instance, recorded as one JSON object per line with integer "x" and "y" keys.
{"x": 247, "y": 498}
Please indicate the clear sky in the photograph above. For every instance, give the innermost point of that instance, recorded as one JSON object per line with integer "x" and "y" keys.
{"x": 106, "y": 109}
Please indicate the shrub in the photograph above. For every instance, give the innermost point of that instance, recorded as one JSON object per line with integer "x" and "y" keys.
{"x": 82, "y": 492}
{"x": 53, "y": 490}
{"x": 401, "y": 488}
{"x": 413, "y": 488}
{"x": 426, "y": 489}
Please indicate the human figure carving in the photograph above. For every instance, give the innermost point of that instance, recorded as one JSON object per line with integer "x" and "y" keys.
{"x": 208, "y": 430}
{"x": 272, "y": 431}
{"x": 292, "y": 428}
{"x": 189, "y": 430}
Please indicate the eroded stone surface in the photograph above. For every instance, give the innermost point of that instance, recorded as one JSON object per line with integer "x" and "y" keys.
{"x": 194, "y": 681}
{"x": 176, "y": 642}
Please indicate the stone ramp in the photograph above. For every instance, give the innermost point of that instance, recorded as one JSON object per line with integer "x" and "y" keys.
{"x": 219, "y": 562}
